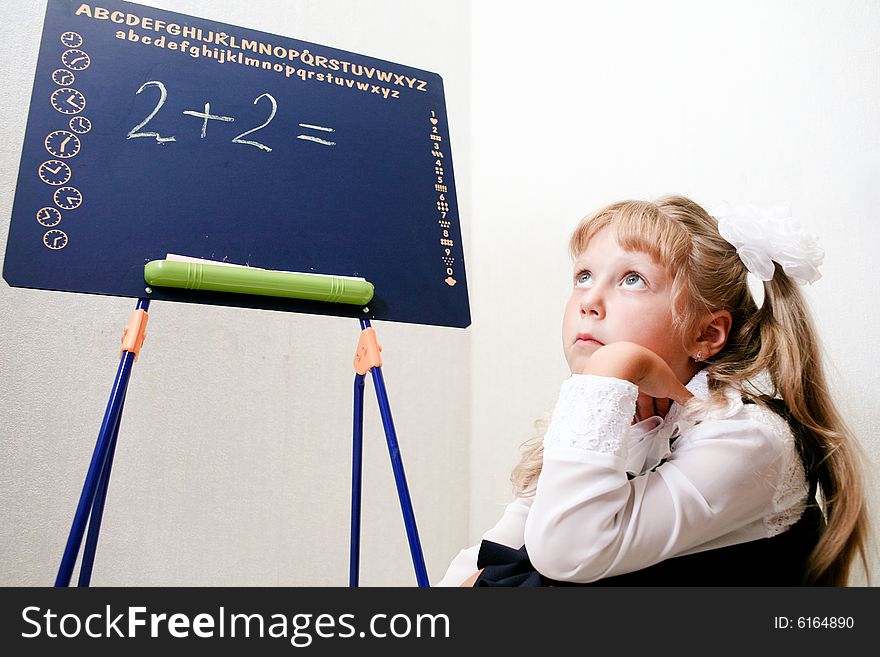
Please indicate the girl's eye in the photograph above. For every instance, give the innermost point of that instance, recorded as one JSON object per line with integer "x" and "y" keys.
{"x": 634, "y": 280}
{"x": 582, "y": 277}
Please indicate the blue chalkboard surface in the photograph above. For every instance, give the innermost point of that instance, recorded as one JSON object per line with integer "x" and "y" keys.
{"x": 152, "y": 133}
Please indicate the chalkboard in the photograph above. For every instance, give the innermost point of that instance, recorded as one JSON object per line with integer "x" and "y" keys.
{"x": 151, "y": 132}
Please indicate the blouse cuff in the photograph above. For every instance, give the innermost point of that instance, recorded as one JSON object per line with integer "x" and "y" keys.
{"x": 593, "y": 413}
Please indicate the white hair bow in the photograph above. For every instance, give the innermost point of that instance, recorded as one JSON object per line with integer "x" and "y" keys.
{"x": 763, "y": 236}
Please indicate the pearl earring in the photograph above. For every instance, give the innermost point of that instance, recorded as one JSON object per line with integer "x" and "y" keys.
{"x": 699, "y": 356}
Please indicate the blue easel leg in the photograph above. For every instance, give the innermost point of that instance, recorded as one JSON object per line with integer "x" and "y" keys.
{"x": 356, "y": 476}
{"x": 88, "y": 560}
{"x": 102, "y": 448}
{"x": 109, "y": 426}
{"x": 409, "y": 517}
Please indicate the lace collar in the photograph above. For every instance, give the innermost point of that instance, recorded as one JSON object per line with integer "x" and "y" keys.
{"x": 699, "y": 384}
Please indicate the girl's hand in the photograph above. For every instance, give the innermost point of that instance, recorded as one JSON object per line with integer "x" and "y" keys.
{"x": 639, "y": 365}
{"x": 470, "y": 581}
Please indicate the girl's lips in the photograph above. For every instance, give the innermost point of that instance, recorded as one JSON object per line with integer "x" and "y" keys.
{"x": 583, "y": 343}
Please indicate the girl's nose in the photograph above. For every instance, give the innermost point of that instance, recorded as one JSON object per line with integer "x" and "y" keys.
{"x": 592, "y": 305}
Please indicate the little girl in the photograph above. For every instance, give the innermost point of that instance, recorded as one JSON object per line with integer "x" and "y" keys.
{"x": 696, "y": 442}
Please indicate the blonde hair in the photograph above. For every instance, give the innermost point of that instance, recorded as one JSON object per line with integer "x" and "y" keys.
{"x": 778, "y": 339}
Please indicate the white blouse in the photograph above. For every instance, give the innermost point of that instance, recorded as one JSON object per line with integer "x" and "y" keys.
{"x": 732, "y": 474}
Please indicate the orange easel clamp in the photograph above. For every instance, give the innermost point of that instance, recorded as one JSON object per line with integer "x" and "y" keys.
{"x": 367, "y": 355}
{"x": 135, "y": 333}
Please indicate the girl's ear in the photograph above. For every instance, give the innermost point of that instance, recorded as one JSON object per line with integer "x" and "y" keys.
{"x": 715, "y": 331}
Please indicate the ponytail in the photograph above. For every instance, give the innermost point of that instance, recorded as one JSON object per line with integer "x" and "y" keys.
{"x": 783, "y": 341}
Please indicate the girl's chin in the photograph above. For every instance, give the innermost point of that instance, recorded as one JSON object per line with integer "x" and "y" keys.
{"x": 577, "y": 362}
